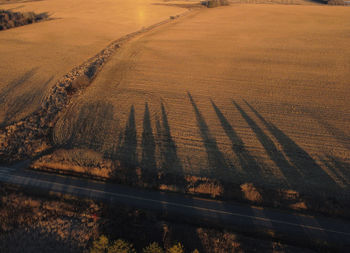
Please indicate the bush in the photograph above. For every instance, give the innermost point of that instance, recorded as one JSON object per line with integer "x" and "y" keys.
{"x": 120, "y": 246}
{"x": 177, "y": 248}
{"x": 100, "y": 245}
{"x": 216, "y": 3}
{"x": 153, "y": 248}
{"x": 336, "y": 2}
{"x": 9, "y": 19}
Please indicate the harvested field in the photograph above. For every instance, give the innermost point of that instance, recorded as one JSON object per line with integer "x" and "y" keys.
{"x": 34, "y": 57}
{"x": 246, "y": 93}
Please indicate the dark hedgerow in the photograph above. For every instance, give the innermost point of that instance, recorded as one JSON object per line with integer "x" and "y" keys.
{"x": 9, "y": 19}
{"x": 215, "y": 3}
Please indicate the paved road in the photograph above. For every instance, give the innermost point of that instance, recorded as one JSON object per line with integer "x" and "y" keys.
{"x": 285, "y": 224}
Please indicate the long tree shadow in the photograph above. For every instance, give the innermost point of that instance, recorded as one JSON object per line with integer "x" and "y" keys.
{"x": 128, "y": 152}
{"x": 340, "y": 169}
{"x": 91, "y": 127}
{"x": 148, "y": 161}
{"x": 337, "y": 133}
{"x": 170, "y": 162}
{"x": 292, "y": 176}
{"x": 216, "y": 159}
{"x": 246, "y": 160}
{"x": 299, "y": 158}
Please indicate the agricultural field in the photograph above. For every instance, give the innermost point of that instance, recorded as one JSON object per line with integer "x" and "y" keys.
{"x": 34, "y": 57}
{"x": 250, "y": 98}
{"x": 248, "y": 93}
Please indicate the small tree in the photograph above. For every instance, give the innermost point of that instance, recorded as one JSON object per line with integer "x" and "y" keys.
{"x": 120, "y": 246}
{"x": 153, "y": 248}
{"x": 177, "y": 248}
{"x": 100, "y": 245}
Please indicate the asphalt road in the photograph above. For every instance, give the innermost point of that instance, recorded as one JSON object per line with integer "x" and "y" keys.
{"x": 249, "y": 219}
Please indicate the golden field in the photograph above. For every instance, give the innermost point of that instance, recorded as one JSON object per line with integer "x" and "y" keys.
{"x": 34, "y": 57}
{"x": 249, "y": 96}
{"x": 246, "y": 93}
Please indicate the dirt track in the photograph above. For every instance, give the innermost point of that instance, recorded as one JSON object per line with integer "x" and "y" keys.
{"x": 247, "y": 93}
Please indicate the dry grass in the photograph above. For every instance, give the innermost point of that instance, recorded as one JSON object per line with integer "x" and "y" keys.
{"x": 82, "y": 161}
{"x": 34, "y": 224}
{"x": 44, "y": 223}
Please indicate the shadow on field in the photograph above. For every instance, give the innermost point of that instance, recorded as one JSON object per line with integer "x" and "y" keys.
{"x": 148, "y": 145}
{"x": 127, "y": 150}
{"x": 271, "y": 149}
{"x": 169, "y": 161}
{"x": 216, "y": 159}
{"x": 128, "y": 153}
{"x": 300, "y": 160}
{"x": 247, "y": 162}
{"x": 339, "y": 169}
{"x": 337, "y": 133}
{"x": 155, "y": 154}
{"x": 92, "y": 126}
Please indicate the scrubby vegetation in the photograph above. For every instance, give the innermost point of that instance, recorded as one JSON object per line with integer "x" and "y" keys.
{"x": 35, "y": 222}
{"x": 215, "y": 3}
{"x": 92, "y": 164}
{"x": 9, "y": 19}
{"x": 337, "y": 2}
{"x": 103, "y": 245}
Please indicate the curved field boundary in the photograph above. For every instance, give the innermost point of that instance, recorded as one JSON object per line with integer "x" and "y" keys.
{"x": 31, "y": 136}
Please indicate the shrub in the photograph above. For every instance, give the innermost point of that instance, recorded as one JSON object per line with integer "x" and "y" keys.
{"x": 100, "y": 245}
{"x": 217, "y": 3}
{"x": 336, "y": 2}
{"x": 177, "y": 248}
{"x": 120, "y": 246}
{"x": 9, "y": 19}
{"x": 153, "y": 248}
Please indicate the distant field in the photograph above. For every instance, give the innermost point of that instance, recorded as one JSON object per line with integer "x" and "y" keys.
{"x": 34, "y": 57}
{"x": 246, "y": 93}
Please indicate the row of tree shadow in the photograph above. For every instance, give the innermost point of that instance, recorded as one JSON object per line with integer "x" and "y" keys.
{"x": 159, "y": 160}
